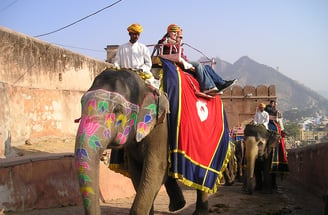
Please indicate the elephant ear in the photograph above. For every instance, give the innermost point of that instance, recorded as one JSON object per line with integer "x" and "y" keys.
{"x": 153, "y": 111}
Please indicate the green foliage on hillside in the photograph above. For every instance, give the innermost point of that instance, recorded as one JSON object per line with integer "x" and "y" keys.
{"x": 292, "y": 129}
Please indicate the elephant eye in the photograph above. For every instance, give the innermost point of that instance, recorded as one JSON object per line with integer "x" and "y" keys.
{"x": 118, "y": 109}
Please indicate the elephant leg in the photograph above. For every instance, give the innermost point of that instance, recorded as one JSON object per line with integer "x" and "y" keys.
{"x": 153, "y": 166}
{"x": 177, "y": 200}
{"x": 201, "y": 203}
{"x": 230, "y": 172}
{"x": 274, "y": 181}
{"x": 268, "y": 177}
{"x": 258, "y": 174}
{"x": 135, "y": 168}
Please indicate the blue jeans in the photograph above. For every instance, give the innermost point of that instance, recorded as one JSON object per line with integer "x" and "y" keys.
{"x": 215, "y": 77}
{"x": 207, "y": 77}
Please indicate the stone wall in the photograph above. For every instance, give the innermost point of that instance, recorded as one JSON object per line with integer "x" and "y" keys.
{"x": 50, "y": 181}
{"x": 5, "y": 136}
{"x": 309, "y": 167}
{"x": 241, "y": 103}
{"x": 41, "y": 86}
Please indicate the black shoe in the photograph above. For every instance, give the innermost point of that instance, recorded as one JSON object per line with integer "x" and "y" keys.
{"x": 227, "y": 84}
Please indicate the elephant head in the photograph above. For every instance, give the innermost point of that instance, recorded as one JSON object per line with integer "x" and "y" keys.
{"x": 259, "y": 143}
{"x": 118, "y": 109}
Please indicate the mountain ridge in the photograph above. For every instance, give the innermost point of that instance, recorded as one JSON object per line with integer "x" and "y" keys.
{"x": 290, "y": 93}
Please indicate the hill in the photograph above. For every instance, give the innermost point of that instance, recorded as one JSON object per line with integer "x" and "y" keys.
{"x": 290, "y": 93}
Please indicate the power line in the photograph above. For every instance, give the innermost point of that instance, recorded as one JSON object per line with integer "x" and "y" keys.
{"x": 9, "y": 5}
{"x": 41, "y": 35}
{"x": 74, "y": 47}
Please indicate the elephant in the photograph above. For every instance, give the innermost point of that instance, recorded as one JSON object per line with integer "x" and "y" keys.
{"x": 259, "y": 144}
{"x": 230, "y": 173}
{"x": 119, "y": 111}
{"x": 239, "y": 153}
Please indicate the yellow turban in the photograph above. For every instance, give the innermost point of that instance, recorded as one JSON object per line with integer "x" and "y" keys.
{"x": 173, "y": 28}
{"x": 135, "y": 28}
{"x": 262, "y": 105}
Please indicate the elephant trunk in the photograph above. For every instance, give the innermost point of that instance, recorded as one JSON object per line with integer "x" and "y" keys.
{"x": 251, "y": 155}
{"x": 87, "y": 163}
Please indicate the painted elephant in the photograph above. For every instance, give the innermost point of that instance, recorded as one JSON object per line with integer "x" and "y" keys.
{"x": 120, "y": 110}
{"x": 259, "y": 143}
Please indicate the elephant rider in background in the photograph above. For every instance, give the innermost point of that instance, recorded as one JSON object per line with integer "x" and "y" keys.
{"x": 135, "y": 55}
{"x": 261, "y": 116}
{"x": 271, "y": 109}
{"x": 210, "y": 82}
{"x": 274, "y": 114}
{"x": 279, "y": 162}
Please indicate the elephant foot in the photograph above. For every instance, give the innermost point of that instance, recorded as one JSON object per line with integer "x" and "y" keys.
{"x": 258, "y": 188}
{"x": 246, "y": 190}
{"x": 267, "y": 191}
{"x": 229, "y": 183}
{"x": 201, "y": 212}
{"x": 175, "y": 206}
{"x": 177, "y": 200}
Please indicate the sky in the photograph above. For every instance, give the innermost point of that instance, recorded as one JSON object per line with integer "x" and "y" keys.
{"x": 291, "y": 35}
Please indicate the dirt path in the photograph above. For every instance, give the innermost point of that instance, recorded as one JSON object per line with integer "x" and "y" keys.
{"x": 229, "y": 200}
{"x": 288, "y": 199}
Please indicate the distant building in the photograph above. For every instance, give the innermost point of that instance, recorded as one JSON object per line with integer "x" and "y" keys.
{"x": 314, "y": 130}
{"x": 111, "y": 52}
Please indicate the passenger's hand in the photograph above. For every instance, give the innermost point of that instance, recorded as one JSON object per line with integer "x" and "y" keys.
{"x": 192, "y": 69}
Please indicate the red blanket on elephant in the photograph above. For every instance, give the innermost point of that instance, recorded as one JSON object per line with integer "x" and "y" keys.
{"x": 279, "y": 159}
{"x": 198, "y": 131}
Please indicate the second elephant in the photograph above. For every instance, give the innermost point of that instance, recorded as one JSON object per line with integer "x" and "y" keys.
{"x": 259, "y": 143}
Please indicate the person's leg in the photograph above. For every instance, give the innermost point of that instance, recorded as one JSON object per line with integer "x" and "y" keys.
{"x": 204, "y": 79}
{"x": 219, "y": 82}
{"x": 215, "y": 77}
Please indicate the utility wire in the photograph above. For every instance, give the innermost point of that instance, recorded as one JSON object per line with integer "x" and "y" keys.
{"x": 9, "y": 5}
{"x": 41, "y": 35}
{"x": 74, "y": 47}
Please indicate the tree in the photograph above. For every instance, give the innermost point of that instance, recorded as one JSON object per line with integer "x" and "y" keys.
{"x": 292, "y": 130}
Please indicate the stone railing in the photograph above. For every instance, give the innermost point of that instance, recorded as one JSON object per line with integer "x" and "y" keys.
{"x": 309, "y": 167}
{"x": 50, "y": 181}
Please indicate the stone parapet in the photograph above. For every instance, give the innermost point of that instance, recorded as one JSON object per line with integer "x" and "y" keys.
{"x": 240, "y": 103}
{"x": 308, "y": 166}
{"x": 50, "y": 181}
